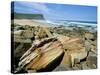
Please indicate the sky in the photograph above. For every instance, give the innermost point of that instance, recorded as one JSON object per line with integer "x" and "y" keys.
{"x": 57, "y": 11}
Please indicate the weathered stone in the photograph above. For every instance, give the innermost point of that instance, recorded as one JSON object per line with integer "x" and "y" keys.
{"x": 75, "y": 46}
{"x": 18, "y": 32}
{"x": 85, "y": 66}
{"x": 40, "y": 55}
{"x": 78, "y": 55}
{"x": 21, "y": 49}
{"x": 91, "y": 60}
{"x": 47, "y": 32}
{"x": 16, "y": 28}
{"x": 62, "y": 38}
{"x": 92, "y": 54}
{"x": 87, "y": 45}
{"x": 89, "y": 36}
{"x": 31, "y": 71}
{"x": 66, "y": 61}
{"x": 23, "y": 36}
{"x": 27, "y": 34}
{"x": 20, "y": 40}
{"x": 74, "y": 50}
{"x": 94, "y": 49}
{"x": 40, "y": 34}
{"x": 62, "y": 68}
{"x": 77, "y": 67}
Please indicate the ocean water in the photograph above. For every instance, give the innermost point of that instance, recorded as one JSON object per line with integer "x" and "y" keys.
{"x": 70, "y": 23}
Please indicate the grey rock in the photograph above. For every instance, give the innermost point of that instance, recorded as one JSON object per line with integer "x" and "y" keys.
{"x": 21, "y": 40}
{"x": 87, "y": 45}
{"x": 21, "y": 49}
{"x": 18, "y": 28}
{"x": 77, "y": 67}
{"x": 92, "y": 60}
{"x": 27, "y": 34}
{"x": 89, "y": 36}
{"x": 94, "y": 49}
{"x": 92, "y": 54}
{"x": 85, "y": 66}
{"x": 62, "y": 68}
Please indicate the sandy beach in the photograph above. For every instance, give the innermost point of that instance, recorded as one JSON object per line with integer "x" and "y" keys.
{"x": 29, "y": 22}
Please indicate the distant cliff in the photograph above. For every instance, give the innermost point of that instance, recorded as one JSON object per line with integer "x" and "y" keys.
{"x": 27, "y": 16}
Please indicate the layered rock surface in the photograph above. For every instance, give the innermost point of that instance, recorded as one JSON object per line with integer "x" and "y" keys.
{"x": 71, "y": 50}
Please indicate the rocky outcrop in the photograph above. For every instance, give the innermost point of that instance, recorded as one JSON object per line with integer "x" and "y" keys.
{"x": 49, "y": 50}
{"x": 74, "y": 52}
{"x": 41, "y": 54}
{"x": 62, "y": 67}
{"x": 38, "y": 49}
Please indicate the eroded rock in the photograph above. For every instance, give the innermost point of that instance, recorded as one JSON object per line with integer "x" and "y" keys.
{"x": 41, "y": 54}
{"x": 62, "y": 68}
{"x": 89, "y": 36}
{"x": 92, "y": 62}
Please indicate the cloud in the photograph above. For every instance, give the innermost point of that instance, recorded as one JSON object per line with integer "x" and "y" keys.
{"x": 37, "y": 6}
{"x": 33, "y": 7}
{"x": 41, "y": 7}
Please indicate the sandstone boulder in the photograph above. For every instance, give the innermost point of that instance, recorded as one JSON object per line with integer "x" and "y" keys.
{"x": 42, "y": 54}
